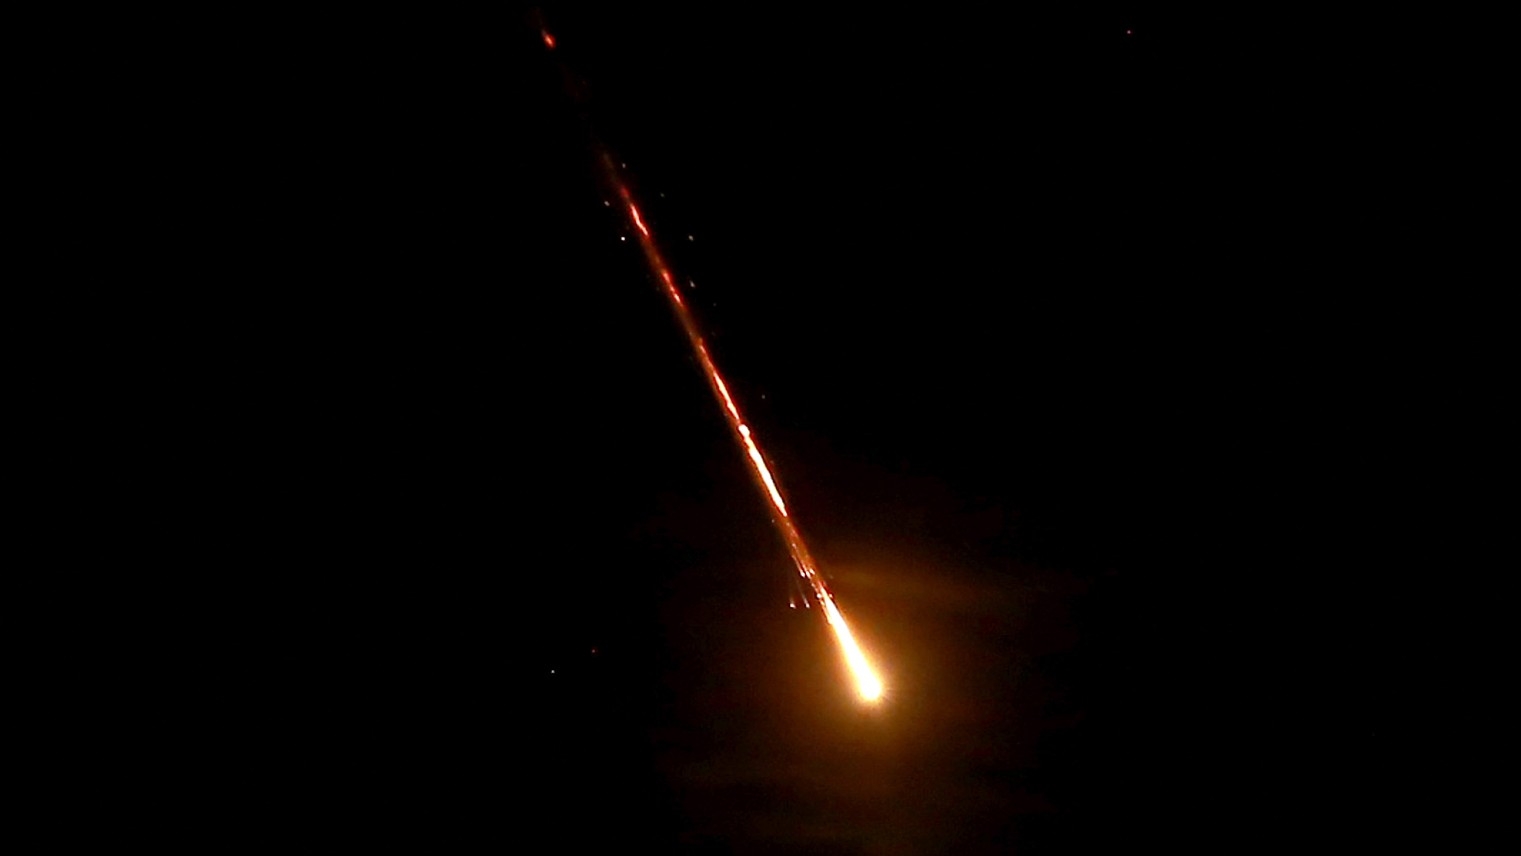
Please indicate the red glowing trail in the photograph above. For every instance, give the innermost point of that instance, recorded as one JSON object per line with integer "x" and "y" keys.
{"x": 868, "y": 684}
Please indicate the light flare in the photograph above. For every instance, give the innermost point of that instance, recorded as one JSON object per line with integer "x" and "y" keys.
{"x": 867, "y": 682}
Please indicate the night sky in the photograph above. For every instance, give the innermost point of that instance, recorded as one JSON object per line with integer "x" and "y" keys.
{"x": 1132, "y": 375}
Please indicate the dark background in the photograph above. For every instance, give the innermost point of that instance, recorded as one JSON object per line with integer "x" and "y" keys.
{"x": 1133, "y": 375}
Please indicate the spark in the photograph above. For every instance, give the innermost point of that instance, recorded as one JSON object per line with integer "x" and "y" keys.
{"x": 549, "y": 41}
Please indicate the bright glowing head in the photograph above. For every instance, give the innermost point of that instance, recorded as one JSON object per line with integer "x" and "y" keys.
{"x": 867, "y": 683}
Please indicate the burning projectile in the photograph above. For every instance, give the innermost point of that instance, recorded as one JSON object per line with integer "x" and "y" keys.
{"x": 810, "y": 580}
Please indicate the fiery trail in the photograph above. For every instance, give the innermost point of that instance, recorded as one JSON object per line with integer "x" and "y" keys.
{"x": 868, "y": 683}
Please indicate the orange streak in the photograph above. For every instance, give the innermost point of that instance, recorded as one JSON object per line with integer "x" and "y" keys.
{"x": 639, "y": 221}
{"x": 868, "y": 684}
{"x": 724, "y": 391}
{"x": 760, "y": 467}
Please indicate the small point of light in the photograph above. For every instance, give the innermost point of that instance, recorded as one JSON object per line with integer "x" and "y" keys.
{"x": 1129, "y": 32}
{"x": 623, "y": 237}
{"x": 551, "y": 671}
{"x": 689, "y": 237}
{"x": 549, "y": 41}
